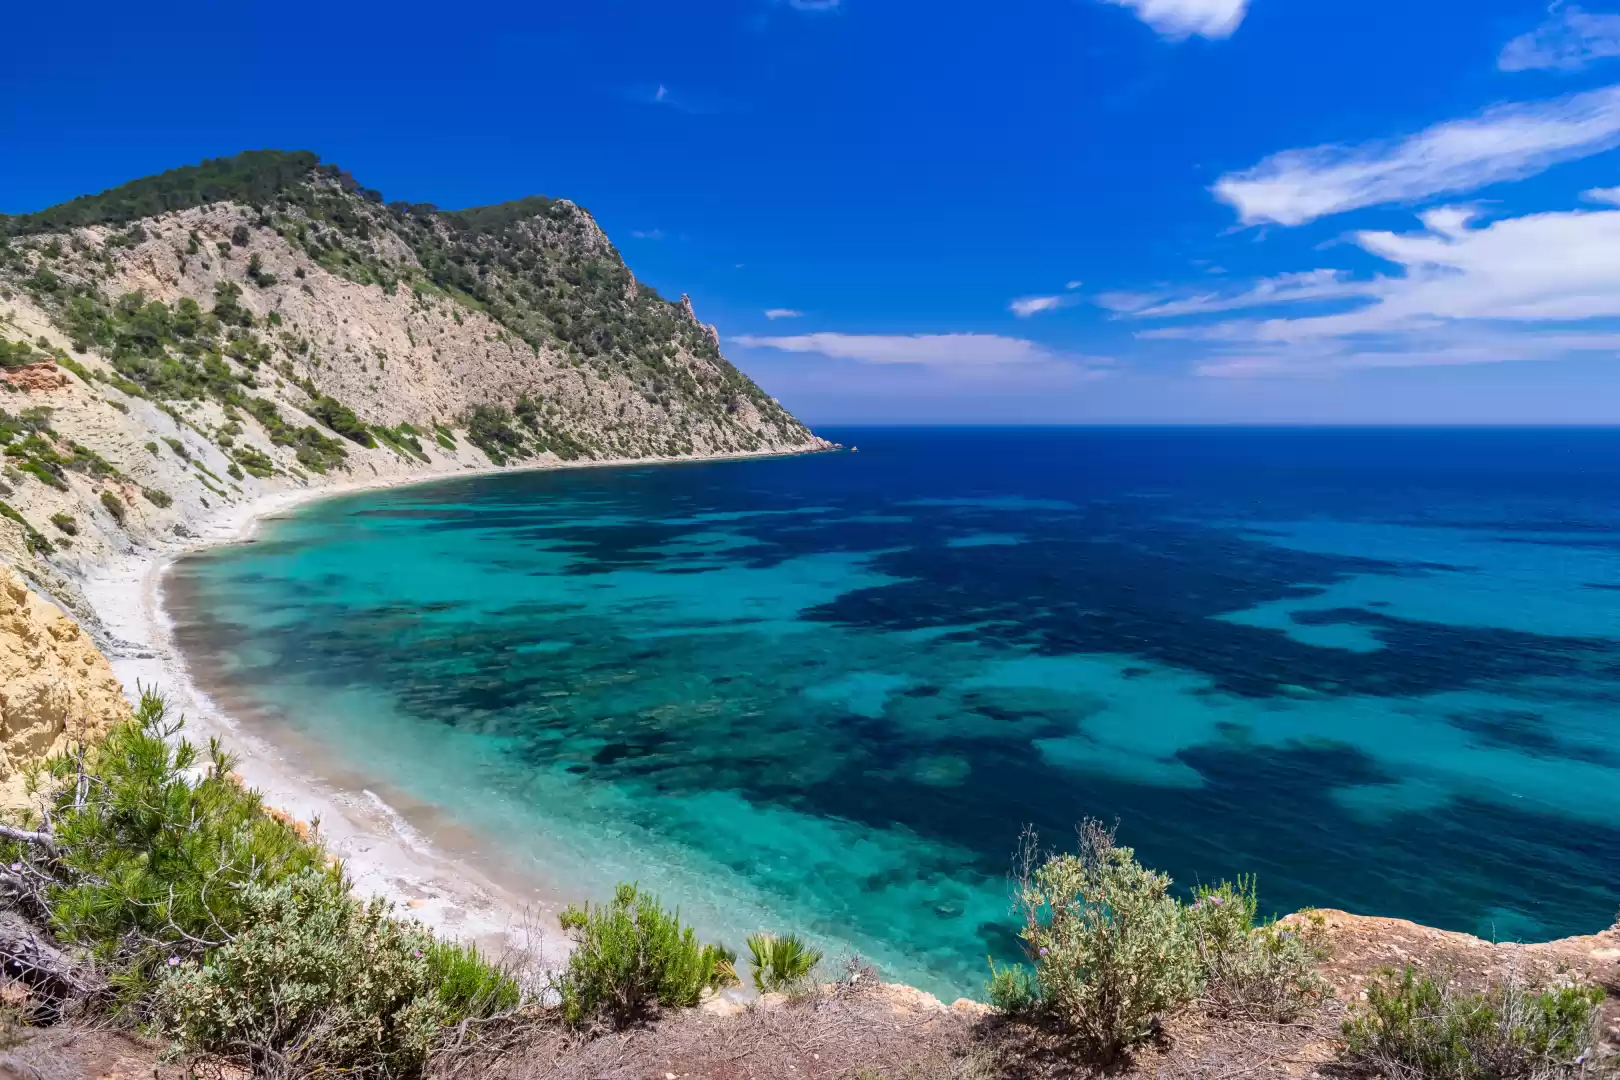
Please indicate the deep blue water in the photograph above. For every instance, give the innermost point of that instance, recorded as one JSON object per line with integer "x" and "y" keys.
{"x": 1379, "y": 668}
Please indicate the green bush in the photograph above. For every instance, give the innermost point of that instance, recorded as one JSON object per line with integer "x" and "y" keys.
{"x": 114, "y": 505}
{"x": 1111, "y": 947}
{"x": 1415, "y": 1025}
{"x": 631, "y": 954}
{"x": 157, "y": 844}
{"x": 37, "y": 542}
{"x": 157, "y": 497}
{"x": 1012, "y": 989}
{"x": 1264, "y": 972}
{"x": 781, "y": 963}
{"x": 320, "y": 983}
{"x": 64, "y": 521}
{"x": 341, "y": 419}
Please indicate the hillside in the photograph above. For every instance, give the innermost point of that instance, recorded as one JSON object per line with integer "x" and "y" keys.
{"x": 194, "y": 339}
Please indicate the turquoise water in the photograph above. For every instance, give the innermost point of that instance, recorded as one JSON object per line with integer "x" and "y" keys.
{"x": 1377, "y": 668}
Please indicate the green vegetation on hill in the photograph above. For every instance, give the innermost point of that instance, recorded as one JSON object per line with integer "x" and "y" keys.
{"x": 539, "y": 267}
{"x": 251, "y": 177}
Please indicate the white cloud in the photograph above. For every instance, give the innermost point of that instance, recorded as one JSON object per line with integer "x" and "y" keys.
{"x": 1074, "y": 285}
{"x": 782, "y": 313}
{"x": 647, "y": 234}
{"x": 959, "y": 352}
{"x": 1468, "y": 294}
{"x": 1282, "y": 289}
{"x": 1603, "y": 195}
{"x": 1025, "y": 306}
{"x": 814, "y": 5}
{"x": 1507, "y": 142}
{"x": 1569, "y": 40}
{"x": 662, "y": 93}
{"x": 1178, "y": 19}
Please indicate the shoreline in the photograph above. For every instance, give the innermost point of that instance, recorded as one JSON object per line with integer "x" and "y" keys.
{"x": 383, "y": 852}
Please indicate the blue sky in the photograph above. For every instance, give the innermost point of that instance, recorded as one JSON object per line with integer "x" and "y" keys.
{"x": 895, "y": 211}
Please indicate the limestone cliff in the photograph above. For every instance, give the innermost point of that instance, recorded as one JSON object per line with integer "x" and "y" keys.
{"x": 189, "y": 341}
{"x": 55, "y": 686}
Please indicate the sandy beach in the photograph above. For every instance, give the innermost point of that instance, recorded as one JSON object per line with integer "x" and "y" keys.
{"x": 384, "y": 852}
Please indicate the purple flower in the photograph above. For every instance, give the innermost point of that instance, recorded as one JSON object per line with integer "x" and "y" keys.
{"x": 16, "y": 866}
{"x": 174, "y": 961}
{"x": 418, "y": 952}
{"x": 1215, "y": 900}
{"x": 1043, "y": 950}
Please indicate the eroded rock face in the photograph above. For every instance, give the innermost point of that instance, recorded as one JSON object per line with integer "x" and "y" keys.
{"x": 54, "y": 684}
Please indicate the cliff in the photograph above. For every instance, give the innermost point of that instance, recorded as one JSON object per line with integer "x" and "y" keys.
{"x": 55, "y": 686}
{"x": 193, "y": 340}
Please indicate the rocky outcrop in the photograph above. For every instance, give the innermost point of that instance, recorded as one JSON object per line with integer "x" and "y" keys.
{"x": 55, "y": 686}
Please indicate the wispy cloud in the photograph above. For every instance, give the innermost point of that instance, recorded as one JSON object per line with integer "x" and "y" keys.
{"x": 954, "y": 352}
{"x": 1282, "y": 289}
{"x": 814, "y": 5}
{"x": 647, "y": 234}
{"x": 1507, "y": 142}
{"x": 1179, "y": 19}
{"x": 782, "y": 313}
{"x": 1467, "y": 294}
{"x": 1569, "y": 40}
{"x": 1609, "y": 195}
{"x": 666, "y": 96}
{"x": 1025, "y": 306}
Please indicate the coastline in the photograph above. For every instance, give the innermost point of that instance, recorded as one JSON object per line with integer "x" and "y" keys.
{"x": 384, "y": 854}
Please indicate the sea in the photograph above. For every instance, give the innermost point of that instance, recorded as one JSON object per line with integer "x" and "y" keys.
{"x": 1377, "y": 668}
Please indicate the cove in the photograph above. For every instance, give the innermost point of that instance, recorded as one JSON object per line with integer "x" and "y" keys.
{"x": 1378, "y": 668}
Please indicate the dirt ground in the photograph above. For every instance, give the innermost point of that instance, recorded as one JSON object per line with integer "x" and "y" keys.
{"x": 871, "y": 1031}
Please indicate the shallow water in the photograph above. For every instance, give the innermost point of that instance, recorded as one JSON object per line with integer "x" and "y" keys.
{"x": 1377, "y": 668}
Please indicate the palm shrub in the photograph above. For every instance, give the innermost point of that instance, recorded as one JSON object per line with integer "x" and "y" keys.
{"x": 631, "y": 954}
{"x": 781, "y": 963}
{"x": 1262, "y": 972}
{"x": 1111, "y": 947}
{"x": 1416, "y": 1025}
{"x": 1012, "y": 989}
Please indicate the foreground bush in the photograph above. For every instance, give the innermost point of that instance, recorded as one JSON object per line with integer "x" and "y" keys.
{"x": 1257, "y": 972}
{"x": 150, "y": 859}
{"x": 1414, "y": 1025}
{"x": 781, "y": 964}
{"x": 1111, "y": 946}
{"x": 632, "y": 954}
{"x": 320, "y": 981}
{"x": 226, "y": 930}
{"x": 1109, "y": 949}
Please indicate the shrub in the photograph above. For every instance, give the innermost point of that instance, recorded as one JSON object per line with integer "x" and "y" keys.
{"x": 319, "y": 982}
{"x": 255, "y": 462}
{"x": 157, "y": 497}
{"x": 1013, "y": 988}
{"x": 632, "y": 954}
{"x": 1414, "y": 1025}
{"x": 64, "y": 521}
{"x": 341, "y": 419}
{"x": 781, "y": 963}
{"x": 157, "y": 843}
{"x": 1256, "y": 972}
{"x": 114, "y": 505}
{"x": 37, "y": 542}
{"x": 1109, "y": 943}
